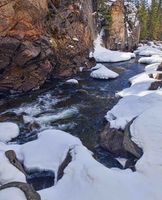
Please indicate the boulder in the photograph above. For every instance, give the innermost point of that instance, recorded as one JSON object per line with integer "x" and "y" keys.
{"x": 111, "y": 139}
{"x": 118, "y": 142}
{"x": 155, "y": 85}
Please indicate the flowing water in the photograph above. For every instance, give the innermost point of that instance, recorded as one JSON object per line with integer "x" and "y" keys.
{"x": 79, "y": 110}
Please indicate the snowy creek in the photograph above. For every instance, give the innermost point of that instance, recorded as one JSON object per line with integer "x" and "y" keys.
{"x": 77, "y": 109}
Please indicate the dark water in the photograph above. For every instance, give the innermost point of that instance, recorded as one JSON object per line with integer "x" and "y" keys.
{"x": 79, "y": 110}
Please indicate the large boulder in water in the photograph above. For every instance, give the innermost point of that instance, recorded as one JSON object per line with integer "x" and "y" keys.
{"x": 118, "y": 142}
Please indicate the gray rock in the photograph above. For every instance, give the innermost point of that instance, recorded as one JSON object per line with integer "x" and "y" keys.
{"x": 63, "y": 165}
{"x": 14, "y": 161}
{"x": 118, "y": 142}
{"x": 155, "y": 85}
{"x": 112, "y": 140}
{"x": 128, "y": 144}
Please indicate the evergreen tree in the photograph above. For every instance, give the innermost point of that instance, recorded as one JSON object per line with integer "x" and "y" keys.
{"x": 143, "y": 15}
{"x": 105, "y": 14}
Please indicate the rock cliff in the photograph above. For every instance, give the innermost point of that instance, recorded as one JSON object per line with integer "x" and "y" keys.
{"x": 125, "y": 28}
{"x": 43, "y": 37}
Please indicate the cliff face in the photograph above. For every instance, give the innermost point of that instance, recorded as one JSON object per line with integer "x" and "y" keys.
{"x": 40, "y": 37}
{"x": 125, "y": 29}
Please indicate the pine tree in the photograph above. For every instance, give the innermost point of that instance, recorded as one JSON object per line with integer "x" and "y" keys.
{"x": 154, "y": 20}
{"x": 105, "y": 13}
{"x": 143, "y": 15}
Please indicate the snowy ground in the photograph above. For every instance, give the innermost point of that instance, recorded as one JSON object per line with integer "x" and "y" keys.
{"x": 101, "y": 54}
{"x": 85, "y": 178}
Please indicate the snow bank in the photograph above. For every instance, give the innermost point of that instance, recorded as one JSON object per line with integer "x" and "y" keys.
{"x": 152, "y": 67}
{"x": 12, "y": 193}
{"x": 102, "y": 54}
{"x": 151, "y": 60}
{"x": 8, "y": 131}
{"x": 149, "y": 49}
{"x": 146, "y": 132}
{"x": 139, "y": 83}
{"x": 132, "y": 106}
{"x": 48, "y": 151}
{"x": 102, "y": 72}
{"x": 84, "y": 177}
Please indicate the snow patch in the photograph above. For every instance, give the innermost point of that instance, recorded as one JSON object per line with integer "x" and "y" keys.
{"x": 102, "y": 72}
{"x": 8, "y": 131}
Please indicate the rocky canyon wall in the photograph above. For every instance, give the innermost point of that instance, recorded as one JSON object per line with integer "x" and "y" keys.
{"x": 125, "y": 28}
{"x": 43, "y": 37}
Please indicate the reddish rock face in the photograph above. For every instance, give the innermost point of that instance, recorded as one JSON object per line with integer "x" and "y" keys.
{"x": 125, "y": 28}
{"x": 72, "y": 35}
{"x": 21, "y": 18}
{"x": 117, "y": 33}
{"x": 38, "y": 37}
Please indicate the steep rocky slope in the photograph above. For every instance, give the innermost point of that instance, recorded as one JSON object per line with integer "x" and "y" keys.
{"x": 38, "y": 37}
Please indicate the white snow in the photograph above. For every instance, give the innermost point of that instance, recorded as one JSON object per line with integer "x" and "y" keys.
{"x": 131, "y": 106}
{"x": 139, "y": 83}
{"x": 146, "y": 131}
{"x": 136, "y": 98}
{"x": 72, "y": 81}
{"x": 85, "y": 178}
{"x": 149, "y": 49}
{"x": 12, "y": 193}
{"x": 152, "y": 67}
{"x": 102, "y": 72}
{"x": 9, "y": 173}
{"x": 8, "y": 131}
{"x": 102, "y": 54}
{"x": 48, "y": 151}
{"x": 151, "y": 60}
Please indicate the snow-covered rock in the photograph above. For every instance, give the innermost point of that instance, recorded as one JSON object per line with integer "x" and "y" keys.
{"x": 8, "y": 131}
{"x": 152, "y": 67}
{"x": 151, "y": 60}
{"x": 132, "y": 106}
{"x": 72, "y": 81}
{"x": 139, "y": 83}
{"x": 102, "y": 72}
{"x": 48, "y": 151}
{"x": 149, "y": 49}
